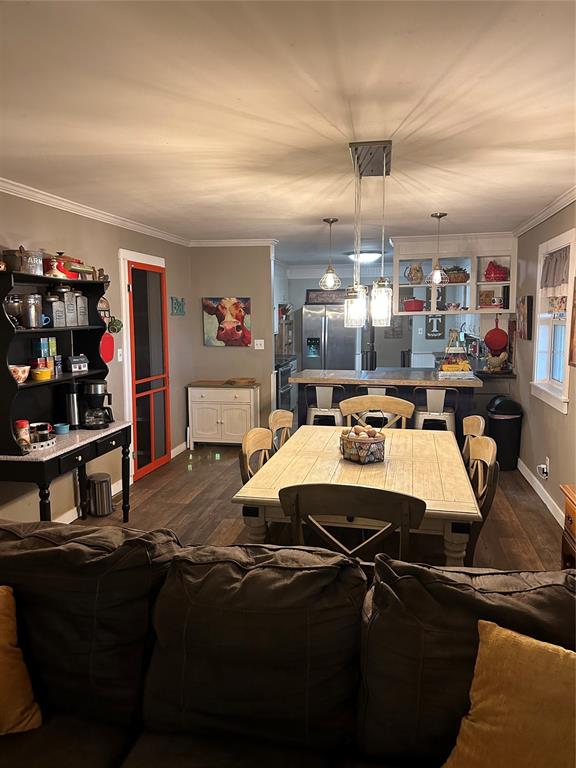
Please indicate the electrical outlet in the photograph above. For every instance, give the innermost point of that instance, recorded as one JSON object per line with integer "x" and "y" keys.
{"x": 258, "y": 343}
{"x": 547, "y": 466}
{"x": 119, "y": 355}
{"x": 420, "y": 331}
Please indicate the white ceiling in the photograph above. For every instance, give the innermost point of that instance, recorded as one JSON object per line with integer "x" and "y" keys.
{"x": 232, "y": 120}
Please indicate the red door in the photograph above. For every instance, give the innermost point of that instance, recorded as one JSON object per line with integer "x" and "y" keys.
{"x": 150, "y": 376}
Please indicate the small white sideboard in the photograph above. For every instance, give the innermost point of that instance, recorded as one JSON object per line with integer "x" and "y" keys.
{"x": 219, "y": 412}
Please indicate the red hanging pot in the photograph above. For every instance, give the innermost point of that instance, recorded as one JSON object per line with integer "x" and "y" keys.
{"x": 496, "y": 340}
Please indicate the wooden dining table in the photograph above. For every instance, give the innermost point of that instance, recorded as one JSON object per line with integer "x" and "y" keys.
{"x": 423, "y": 463}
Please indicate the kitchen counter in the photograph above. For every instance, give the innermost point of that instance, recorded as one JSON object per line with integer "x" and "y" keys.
{"x": 382, "y": 377}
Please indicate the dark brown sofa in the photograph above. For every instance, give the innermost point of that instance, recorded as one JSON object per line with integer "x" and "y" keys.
{"x": 145, "y": 653}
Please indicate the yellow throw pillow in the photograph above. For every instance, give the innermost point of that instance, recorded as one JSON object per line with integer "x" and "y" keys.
{"x": 18, "y": 710}
{"x": 523, "y": 705}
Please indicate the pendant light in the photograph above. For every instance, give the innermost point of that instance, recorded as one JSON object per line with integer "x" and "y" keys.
{"x": 381, "y": 301}
{"x": 330, "y": 280}
{"x": 355, "y": 305}
{"x": 437, "y": 277}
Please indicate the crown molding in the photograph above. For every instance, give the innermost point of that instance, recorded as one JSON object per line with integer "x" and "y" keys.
{"x": 269, "y": 242}
{"x": 54, "y": 201}
{"x": 556, "y": 205}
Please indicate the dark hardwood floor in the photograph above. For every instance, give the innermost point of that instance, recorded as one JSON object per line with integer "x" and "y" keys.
{"x": 191, "y": 495}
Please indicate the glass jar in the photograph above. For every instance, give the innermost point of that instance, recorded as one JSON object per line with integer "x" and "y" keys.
{"x": 32, "y": 311}
{"x": 13, "y": 308}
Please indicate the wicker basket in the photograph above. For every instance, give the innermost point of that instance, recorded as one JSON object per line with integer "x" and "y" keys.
{"x": 363, "y": 450}
{"x": 458, "y": 277}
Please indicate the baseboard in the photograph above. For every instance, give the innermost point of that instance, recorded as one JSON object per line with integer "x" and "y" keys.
{"x": 177, "y": 450}
{"x": 551, "y": 505}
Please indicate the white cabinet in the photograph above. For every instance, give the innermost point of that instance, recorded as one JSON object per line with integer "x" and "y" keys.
{"x": 221, "y": 414}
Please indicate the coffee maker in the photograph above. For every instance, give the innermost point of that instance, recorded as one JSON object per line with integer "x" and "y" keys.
{"x": 94, "y": 414}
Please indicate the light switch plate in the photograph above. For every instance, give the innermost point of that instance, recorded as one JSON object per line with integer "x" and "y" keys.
{"x": 258, "y": 343}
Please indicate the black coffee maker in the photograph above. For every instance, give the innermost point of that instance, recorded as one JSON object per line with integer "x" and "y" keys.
{"x": 94, "y": 414}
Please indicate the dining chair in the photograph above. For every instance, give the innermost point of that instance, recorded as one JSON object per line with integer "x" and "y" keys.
{"x": 280, "y": 423}
{"x": 472, "y": 426}
{"x": 375, "y": 418}
{"x": 304, "y": 504}
{"x": 436, "y": 412}
{"x": 357, "y": 407}
{"x": 484, "y": 471}
{"x": 320, "y": 403}
{"x": 256, "y": 442}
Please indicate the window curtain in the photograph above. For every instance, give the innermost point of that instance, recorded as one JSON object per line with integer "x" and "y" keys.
{"x": 555, "y": 270}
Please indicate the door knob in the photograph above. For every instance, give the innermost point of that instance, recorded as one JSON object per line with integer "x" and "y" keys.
{"x": 78, "y": 458}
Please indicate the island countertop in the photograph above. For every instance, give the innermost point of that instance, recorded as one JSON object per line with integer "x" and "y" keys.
{"x": 382, "y": 377}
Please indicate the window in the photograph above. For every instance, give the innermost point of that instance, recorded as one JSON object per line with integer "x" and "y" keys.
{"x": 556, "y": 267}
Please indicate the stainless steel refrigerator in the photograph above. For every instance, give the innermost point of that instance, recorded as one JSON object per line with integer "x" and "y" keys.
{"x": 326, "y": 343}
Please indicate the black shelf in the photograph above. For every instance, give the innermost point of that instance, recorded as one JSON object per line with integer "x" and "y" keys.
{"x": 25, "y": 277}
{"x": 48, "y": 331}
{"x": 63, "y": 378}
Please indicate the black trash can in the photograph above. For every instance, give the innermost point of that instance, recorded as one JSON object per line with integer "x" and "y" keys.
{"x": 505, "y": 427}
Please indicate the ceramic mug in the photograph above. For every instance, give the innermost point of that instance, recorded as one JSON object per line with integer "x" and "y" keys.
{"x": 40, "y": 431}
{"x": 61, "y": 429}
{"x": 497, "y": 301}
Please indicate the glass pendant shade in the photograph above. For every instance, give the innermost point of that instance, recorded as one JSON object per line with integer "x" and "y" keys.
{"x": 330, "y": 280}
{"x": 355, "y": 307}
{"x": 437, "y": 277}
{"x": 381, "y": 303}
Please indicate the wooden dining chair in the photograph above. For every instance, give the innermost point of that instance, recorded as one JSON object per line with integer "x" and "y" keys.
{"x": 304, "y": 504}
{"x": 472, "y": 426}
{"x": 356, "y": 408}
{"x": 484, "y": 471}
{"x": 256, "y": 442}
{"x": 280, "y": 423}
{"x": 376, "y": 419}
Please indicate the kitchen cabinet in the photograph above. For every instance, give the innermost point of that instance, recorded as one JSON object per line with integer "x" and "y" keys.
{"x": 221, "y": 413}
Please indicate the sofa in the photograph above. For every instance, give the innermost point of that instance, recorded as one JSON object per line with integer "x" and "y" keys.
{"x": 143, "y": 652}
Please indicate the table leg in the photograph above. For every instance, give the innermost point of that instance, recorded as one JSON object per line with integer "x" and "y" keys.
{"x": 83, "y": 488}
{"x": 45, "y": 509}
{"x": 454, "y": 546}
{"x": 255, "y": 523}
{"x": 125, "y": 483}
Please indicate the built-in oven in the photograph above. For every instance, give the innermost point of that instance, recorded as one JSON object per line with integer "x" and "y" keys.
{"x": 286, "y": 393}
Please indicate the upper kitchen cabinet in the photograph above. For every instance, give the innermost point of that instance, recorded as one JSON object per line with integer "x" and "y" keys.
{"x": 481, "y": 270}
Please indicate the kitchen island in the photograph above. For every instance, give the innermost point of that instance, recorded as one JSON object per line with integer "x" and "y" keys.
{"x": 404, "y": 379}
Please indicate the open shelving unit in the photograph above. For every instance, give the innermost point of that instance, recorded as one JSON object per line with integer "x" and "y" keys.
{"x": 472, "y": 253}
{"x": 43, "y": 400}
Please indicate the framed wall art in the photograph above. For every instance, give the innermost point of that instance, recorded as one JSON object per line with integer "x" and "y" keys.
{"x": 227, "y": 321}
{"x": 524, "y": 313}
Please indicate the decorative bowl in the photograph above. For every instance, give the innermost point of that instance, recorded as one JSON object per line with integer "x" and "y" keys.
{"x": 362, "y": 450}
{"x": 41, "y": 374}
{"x": 19, "y": 372}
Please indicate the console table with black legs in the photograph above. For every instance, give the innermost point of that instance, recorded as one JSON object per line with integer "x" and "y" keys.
{"x": 72, "y": 451}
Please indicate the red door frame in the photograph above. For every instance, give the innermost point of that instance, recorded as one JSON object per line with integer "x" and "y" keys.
{"x": 155, "y": 463}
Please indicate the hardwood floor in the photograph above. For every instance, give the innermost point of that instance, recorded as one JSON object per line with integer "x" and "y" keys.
{"x": 191, "y": 495}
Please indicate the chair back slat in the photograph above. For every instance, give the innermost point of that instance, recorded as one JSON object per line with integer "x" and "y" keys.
{"x": 280, "y": 423}
{"x": 308, "y": 504}
{"x": 356, "y": 407}
{"x": 257, "y": 441}
{"x": 484, "y": 471}
{"x": 435, "y": 399}
{"x": 472, "y": 426}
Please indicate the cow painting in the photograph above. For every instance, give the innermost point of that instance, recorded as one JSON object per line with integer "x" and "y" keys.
{"x": 227, "y": 322}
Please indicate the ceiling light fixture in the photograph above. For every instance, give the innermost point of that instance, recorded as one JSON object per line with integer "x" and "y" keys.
{"x": 366, "y": 257}
{"x": 330, "y": 280}
{"x": 437, "y": 277}
{"x": 370, "y": 158}
{"x": 381, "y": 298}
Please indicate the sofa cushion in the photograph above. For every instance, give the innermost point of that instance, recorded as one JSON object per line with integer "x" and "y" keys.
{"x": 420, "y": 641}
{"x": 153, "y": 750}
{"x": 84, "y": 598}
{"x": 262, "y": 641}
{"x": 64, "y": 741}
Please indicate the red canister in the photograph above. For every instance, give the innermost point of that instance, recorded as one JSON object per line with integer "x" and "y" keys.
{"x": 22, "y": 430}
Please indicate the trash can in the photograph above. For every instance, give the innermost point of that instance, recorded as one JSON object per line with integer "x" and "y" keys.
{"x": 100, "y": 494}
{"x": 505, "y": 427}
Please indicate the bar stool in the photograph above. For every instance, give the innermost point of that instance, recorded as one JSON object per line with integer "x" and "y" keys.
{"x": 436, "y": 414}
{"x": 376, "y": 418}
{"x": 324, "y": 408}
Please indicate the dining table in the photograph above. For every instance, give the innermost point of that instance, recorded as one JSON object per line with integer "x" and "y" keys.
{"x": 422, "y": 463}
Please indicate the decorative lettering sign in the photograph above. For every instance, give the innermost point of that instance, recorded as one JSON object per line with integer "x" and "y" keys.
{"x": 177, "y": 306}
{"x": 435, "y": 326}
{"x": 318, "y": 296}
